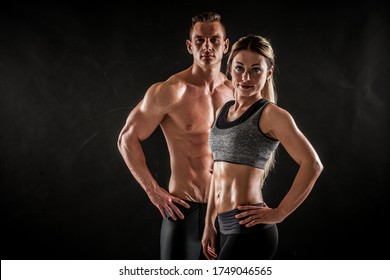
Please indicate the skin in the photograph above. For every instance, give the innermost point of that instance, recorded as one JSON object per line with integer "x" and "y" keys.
{"x": 184, "y": 107}
{"x": 234, "y": 185}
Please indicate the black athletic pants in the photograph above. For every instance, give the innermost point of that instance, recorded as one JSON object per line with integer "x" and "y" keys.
{"x": 181, "y": 239}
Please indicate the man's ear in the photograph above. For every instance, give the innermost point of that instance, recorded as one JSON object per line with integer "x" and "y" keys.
{"x": 226, "y": 46}
{"x": 189, "y": 46}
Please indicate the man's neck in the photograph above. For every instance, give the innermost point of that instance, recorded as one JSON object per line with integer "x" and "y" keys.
{"x": 208, "y": 77}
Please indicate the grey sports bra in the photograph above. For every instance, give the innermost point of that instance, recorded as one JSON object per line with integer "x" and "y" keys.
{"x": 241, "y": 141}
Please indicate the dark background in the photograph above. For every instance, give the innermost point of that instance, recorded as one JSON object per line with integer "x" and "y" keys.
{"x": 71, "y": 73}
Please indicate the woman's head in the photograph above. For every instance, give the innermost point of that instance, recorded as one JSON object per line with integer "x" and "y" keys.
{"x": 262, "y": 47}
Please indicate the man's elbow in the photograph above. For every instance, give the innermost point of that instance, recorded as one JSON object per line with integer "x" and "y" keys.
{"x": 121, "y": 142}
{"x": 127, "y": 140}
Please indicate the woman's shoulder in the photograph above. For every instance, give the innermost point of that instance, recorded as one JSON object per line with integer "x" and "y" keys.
{"x": 273, "y": 109}
{"x": 274, "y": 115}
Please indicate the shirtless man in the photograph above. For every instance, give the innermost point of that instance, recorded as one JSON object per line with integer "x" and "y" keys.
{"x": 184, "y": 107}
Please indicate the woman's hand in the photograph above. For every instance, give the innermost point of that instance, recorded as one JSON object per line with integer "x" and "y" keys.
{"x": 254, "y": 215}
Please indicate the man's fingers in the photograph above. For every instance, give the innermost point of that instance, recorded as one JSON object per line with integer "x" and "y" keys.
{"x": 171, "y": 212}
{"x": 181, "y": 202}
{"x": 162, "y": 212}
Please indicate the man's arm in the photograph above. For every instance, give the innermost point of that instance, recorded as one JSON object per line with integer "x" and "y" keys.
{"x": 140, "y": 124}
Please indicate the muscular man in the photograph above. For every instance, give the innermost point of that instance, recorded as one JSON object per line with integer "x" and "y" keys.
{"x": 184, "y": 107}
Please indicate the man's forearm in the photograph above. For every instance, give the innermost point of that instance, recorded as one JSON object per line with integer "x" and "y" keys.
{"x": 135, "y": 160}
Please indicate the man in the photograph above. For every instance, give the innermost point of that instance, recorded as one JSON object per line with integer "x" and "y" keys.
{"x": 184, "y": 107}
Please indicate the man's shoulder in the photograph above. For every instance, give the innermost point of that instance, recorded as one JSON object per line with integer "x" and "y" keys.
{"x": 225, "y": 81}
{"x": 166, "y": 93}
{"x": 171, "y": 87}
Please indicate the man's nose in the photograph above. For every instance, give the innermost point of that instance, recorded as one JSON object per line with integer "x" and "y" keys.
{"x": 207, "y": 44}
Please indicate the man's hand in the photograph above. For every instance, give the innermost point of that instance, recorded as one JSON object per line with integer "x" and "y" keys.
{"x": 165, "y": 201}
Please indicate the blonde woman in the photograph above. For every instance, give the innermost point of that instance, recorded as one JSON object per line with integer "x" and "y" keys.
{"x": 243, "y": 140}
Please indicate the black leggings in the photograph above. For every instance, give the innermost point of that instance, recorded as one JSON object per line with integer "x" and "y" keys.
{"x": 240, "y": 243}
{"x": 181, "y": 239}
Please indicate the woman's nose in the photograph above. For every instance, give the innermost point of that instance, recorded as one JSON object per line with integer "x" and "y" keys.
{"x": 245, "y": 76}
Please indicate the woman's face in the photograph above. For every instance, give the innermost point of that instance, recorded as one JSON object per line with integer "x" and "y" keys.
{"x": 249, "y": 72}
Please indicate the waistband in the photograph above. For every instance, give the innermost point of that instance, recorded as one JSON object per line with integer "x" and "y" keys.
{"x": 194, "y": 207}
{"x": 229, "y": 224}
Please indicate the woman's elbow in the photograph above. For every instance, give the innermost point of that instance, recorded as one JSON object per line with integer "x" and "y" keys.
{"x": 317, "y": 166}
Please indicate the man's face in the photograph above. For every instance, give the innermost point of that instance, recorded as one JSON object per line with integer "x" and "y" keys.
{"x": 207, "y": 43}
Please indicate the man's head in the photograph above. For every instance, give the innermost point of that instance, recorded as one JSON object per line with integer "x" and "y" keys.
{"x": 207, "y": 17}
{"x": 207, "y": 42}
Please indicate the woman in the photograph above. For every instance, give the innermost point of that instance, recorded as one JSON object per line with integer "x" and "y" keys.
{"x": 243, "y": 139}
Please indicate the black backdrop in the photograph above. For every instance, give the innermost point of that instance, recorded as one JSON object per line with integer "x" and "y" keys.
{"x": 71, "y": 73}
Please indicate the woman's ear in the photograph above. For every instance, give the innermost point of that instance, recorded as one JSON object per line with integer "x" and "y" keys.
{"x": 270, "y": 71}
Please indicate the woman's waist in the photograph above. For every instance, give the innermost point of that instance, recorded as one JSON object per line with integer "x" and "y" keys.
{"x": 228, "y": 198}
{"x": 229, "y": 224}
